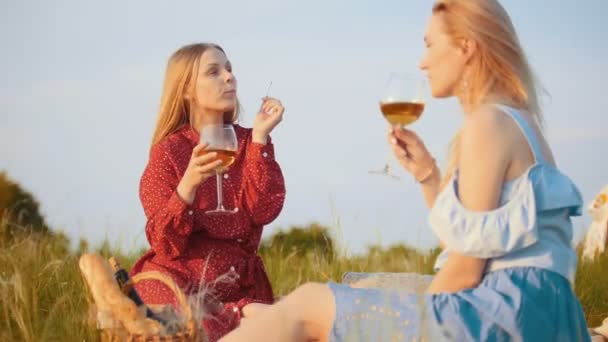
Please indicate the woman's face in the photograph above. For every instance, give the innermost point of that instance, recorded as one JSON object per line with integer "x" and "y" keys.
{"x": 215, "y": 84}
{"x": 443, "y": 60}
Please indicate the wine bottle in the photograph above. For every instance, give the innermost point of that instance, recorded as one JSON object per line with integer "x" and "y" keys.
{"x": 127, "y": 287}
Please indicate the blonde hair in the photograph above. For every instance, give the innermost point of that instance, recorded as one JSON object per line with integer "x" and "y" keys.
{"x": 499, "y": 65}
{"x": 180, "y": 77}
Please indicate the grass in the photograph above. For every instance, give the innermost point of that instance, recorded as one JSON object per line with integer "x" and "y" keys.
{"x": 43, "y": 298}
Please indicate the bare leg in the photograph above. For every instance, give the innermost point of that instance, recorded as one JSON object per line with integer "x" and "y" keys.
{"x": 254, "y": 309}
{"x": 307, "y": 314}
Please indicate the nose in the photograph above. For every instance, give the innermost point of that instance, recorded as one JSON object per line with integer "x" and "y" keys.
{"x": 228, "y": 76}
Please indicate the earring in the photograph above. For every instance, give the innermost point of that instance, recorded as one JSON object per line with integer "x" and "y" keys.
{"x": 465, "y": 89}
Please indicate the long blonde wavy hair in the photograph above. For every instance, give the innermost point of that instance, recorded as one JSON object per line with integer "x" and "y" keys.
{"x": 180, "y": 78}
{"x": 499, "y": 66}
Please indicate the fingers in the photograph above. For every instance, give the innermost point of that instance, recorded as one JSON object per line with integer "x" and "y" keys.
{"x": 206, "y": 162}
{"x": 272, "y": 106}
{"x": 276, "y": 113}
{"x": 402, "y": 155}
{"x": 405, "y": 135}
{"x": 204, "y": 158}
{"x": 209, "y": 167}
{"x": 399, "y": 147}
{"x": 196, "y": 151}
{"x": 398, "y": 150}
{"x": 405, "y": 160}
{"x": 408, "y": 140}
{"x": 405, "y": 154}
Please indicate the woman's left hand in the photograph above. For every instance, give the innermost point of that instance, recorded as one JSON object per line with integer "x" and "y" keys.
{"x": 269, "y": 116}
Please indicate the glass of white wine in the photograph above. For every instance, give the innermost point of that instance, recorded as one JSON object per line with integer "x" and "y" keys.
{"x": 222, "y": 140}
{"x": 402, "y": 103}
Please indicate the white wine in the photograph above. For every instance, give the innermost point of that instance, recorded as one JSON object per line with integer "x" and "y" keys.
{"x": 226, "y": 156}
{"x": 401, "y": 113}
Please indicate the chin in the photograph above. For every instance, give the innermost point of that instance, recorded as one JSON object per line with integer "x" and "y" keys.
{"x": 228, "y": 106}
{"x": 440, "y": 93}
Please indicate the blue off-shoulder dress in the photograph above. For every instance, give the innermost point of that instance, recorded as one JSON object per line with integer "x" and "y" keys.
{"x": 526, "y": 293}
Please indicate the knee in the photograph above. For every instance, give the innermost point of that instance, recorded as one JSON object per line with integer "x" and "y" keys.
{"x": 302, "y": 300}
{"x": 254, "y": 309}
{"x": 312, "y": 300}
{"x": 310, "y": 289}
{"x": 309, "y": 309}
{"x": 317, "y": 314}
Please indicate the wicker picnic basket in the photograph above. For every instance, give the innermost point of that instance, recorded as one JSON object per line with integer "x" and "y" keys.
{"x": 185, "y": 328}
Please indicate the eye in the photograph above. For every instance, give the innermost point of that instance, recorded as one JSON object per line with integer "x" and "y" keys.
{"x": 212, "y": 71}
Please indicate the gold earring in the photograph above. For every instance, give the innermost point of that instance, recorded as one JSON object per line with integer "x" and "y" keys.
{"x": 465, "y": 89}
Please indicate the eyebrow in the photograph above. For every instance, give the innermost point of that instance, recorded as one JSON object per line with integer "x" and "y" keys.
{"x": 217, "y": 65}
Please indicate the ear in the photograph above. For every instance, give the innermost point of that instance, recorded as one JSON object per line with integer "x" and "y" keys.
{"x": 468, "y": 47}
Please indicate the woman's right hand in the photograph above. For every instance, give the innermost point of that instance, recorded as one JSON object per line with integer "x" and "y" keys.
{"x": 412, "y": 154}
{"x": 200, "y": 167}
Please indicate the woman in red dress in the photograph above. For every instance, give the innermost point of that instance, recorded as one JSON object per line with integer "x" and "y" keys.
{"x": 178, "y": 186}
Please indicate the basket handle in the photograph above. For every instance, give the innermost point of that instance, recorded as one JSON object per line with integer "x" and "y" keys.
{"x": 191, "y": 324}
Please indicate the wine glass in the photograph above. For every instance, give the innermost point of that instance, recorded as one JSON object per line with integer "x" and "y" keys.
{"x": 401, "y": 104}
{"x": 222, "y": 140}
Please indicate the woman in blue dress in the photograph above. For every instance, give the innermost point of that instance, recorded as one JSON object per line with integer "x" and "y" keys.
{"x": 501, "y": 211}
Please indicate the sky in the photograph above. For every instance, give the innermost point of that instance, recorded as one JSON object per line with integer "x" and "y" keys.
{"x": 81, "y": 82}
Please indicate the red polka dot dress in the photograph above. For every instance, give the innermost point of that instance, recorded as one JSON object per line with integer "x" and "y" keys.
{"x": 195, "y": 248}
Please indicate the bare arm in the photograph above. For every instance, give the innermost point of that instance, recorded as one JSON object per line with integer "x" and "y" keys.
{"x": 430, "y": 187}
{"x": 458, "y": 273}
{"x": 484, "y": 158}
{"x": 413, "y": 155}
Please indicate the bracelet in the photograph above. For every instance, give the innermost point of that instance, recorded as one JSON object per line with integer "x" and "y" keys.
{"x": 428, "y": 174}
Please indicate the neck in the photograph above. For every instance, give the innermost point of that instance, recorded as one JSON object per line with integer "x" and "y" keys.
{"x": 492, "y": 98}
{"x": 461, "y": 92}
{"x": 205, "y": 117}
{"x": 465, "y": 104}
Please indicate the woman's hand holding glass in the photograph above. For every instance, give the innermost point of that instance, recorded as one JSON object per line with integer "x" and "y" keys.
{"x": 200, "y": 168}
{"x": 412, "y": 154}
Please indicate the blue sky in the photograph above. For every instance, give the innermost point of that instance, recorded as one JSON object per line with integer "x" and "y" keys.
{"x": 81, "y": 82}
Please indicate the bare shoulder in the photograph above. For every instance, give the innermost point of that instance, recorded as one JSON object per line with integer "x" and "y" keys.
{"x": 485, "y": 155}
{"x": 488, "y": 126}
{"x": 488, "y": 118}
